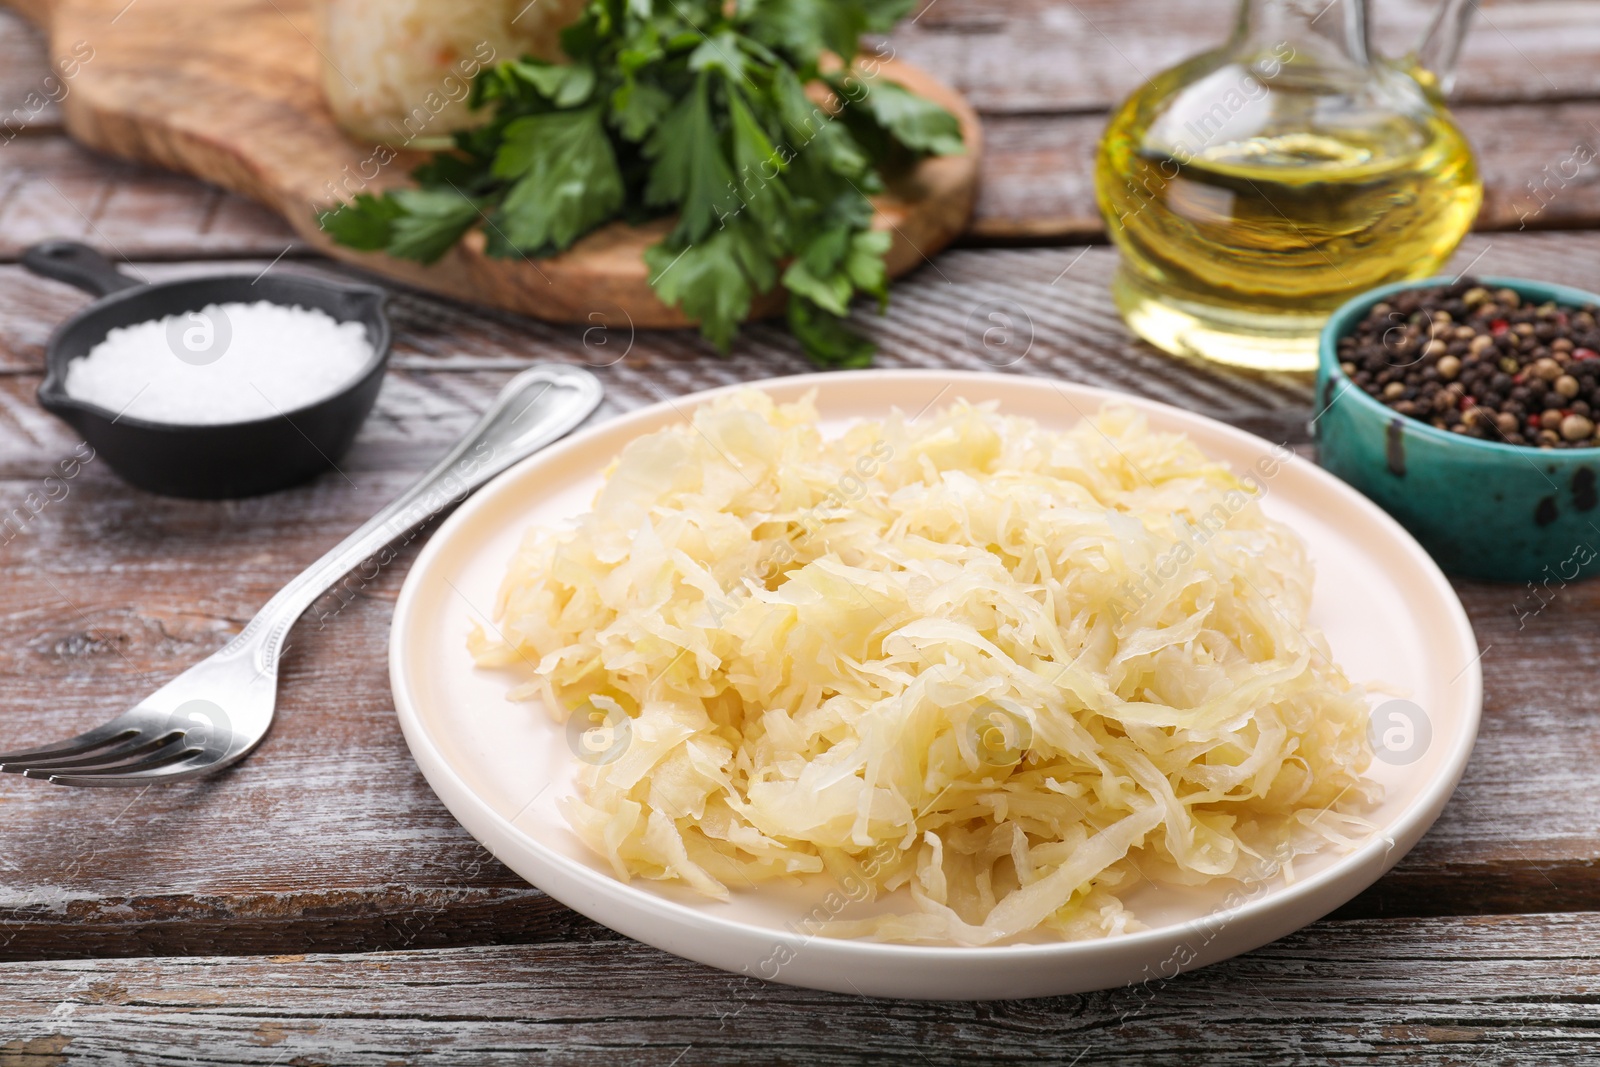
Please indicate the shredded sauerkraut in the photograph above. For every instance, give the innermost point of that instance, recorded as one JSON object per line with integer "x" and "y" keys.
{"x": 398, "y": 71}
{"x": 1018, "y": 673}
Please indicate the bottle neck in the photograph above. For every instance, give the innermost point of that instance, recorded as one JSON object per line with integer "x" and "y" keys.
{"x": 1327, "y": 33}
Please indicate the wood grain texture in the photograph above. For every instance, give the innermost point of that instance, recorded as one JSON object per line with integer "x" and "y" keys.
{"x": 1488, "y": 992}
{"x": 1064, "y": 326}
{"x": 1036, "y": 185}
{"x": 230, "y": 91}
{"x": 328, "y": 837}
{"x": 1041, "y": 56}
{"x": 1035, "y": 182}
{"x": 1059, "y": 298}
{"x": 1538, "y": 163}
{"x": 28, "y": 103}
{"x": 51, "y": 187}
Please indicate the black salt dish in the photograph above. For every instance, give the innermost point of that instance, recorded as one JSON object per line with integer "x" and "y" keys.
{"x": 206, "y": 461}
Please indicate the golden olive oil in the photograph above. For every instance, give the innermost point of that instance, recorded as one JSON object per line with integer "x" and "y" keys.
{"x": 1237, "y": 247}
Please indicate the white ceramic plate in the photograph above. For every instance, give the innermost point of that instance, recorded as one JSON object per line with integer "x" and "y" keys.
{"x": 500, "y": 768}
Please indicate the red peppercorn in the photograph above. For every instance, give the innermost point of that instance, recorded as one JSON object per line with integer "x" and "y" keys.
{"x": 1499, "y": 326}
{"x": 1468, "y": 402}
{"x": 1533, "y": 422}
{"x": 1585, "y": 353}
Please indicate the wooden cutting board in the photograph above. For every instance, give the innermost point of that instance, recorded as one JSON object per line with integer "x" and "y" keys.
{"x": 230, "y": 91}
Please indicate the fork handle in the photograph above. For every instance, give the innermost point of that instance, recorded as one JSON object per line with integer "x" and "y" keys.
{"x": 535, "y": 409}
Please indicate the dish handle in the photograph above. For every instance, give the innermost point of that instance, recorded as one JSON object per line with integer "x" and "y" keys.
{"x": 78, "y": 265}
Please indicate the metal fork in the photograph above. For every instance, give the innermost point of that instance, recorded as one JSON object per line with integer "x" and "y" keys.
{"x": 216, "y": 712}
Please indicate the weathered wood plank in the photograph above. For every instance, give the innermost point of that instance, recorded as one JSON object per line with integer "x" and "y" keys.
{"x": 329, "y": 838}
{"x": 1063, "y": 324}
{"x": 1037, "y": 56}
{"x": 1059, "y": 296}
{"x": 1538, "y": 164}
{"x": 1033, "y": 56}
{"x": 1037, "y": 182}
{"x": 106, "y": 591}
{"x": 50, "y": 188}
{"x": 1037, "y": 186}
{"x": 1490, "y": 992}
{"x": 23, "y": 72}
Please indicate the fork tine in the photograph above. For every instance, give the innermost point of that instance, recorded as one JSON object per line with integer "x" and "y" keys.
{"x": 111, "y": 733}
{"x": 169, "y": 751}
{"x": 123, "y": 750}
{"x": 167, "y": 772}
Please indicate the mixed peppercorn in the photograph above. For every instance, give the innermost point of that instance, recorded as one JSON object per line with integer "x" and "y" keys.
{"x": 1484, "y": 363}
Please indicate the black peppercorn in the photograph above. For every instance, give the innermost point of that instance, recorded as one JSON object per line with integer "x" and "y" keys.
{"x": 1483, "y": 364}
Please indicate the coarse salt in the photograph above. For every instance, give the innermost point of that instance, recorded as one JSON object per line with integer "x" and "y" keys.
{"x": 224, "y": 363}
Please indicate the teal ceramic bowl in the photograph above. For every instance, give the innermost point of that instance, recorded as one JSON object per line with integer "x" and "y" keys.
{"x": 1481, "y": 509}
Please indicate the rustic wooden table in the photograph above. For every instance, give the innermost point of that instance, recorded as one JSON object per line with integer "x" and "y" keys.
{"x": 318, "y": 904}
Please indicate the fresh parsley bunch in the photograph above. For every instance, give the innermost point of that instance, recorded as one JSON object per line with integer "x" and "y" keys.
{"x": 696, "y": 108}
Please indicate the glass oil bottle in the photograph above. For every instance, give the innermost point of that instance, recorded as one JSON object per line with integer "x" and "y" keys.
{"x": 1253, "y": 189}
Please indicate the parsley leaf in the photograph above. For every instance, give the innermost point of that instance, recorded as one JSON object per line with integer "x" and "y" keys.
{"x": 720, "y": 53}
{"x": 918, "y": 123}
{"x": 883, "y": 14}
{"x": 759, "y": 166}
{"x": 815, "y": 273}
{"x": 691, "y": 171}
{"x": 431, "y": 221}
{"x": 637, "y": 106}
{"x": 864, "y": 263}
{"x": 706, "y": 280}
{"x": 826, "y": 338}
{"x": 563, "y": 86}
{"x": 820, "y": 142}
{"x": 811, "y": 27}
{"x": 365, "y": 223}
{"x": 697, "y": 108}
{"x": 566, "y": 179}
